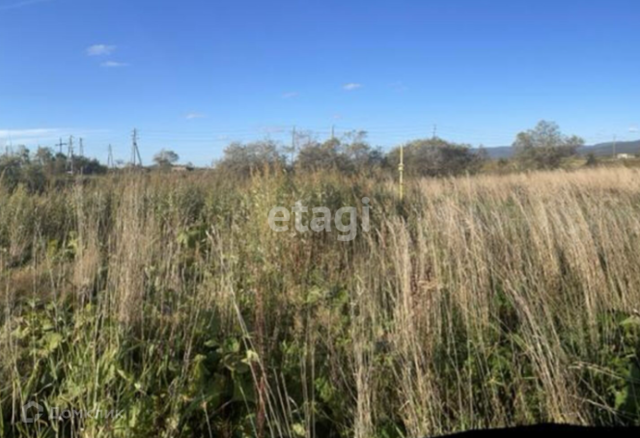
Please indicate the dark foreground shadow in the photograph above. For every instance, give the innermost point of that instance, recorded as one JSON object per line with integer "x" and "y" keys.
{"x": 548, "y": 431}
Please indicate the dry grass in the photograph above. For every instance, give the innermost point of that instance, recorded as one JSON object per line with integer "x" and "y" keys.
{"x": 477, "y": 302}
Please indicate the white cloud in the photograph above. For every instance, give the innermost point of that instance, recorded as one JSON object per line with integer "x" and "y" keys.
{"x": 634, "y": 129}
{"x": 113, "y": 64}
{"x": 29, "y": 137}
{"x": 352, "y": 86}
{"x": 21, "y": 4}
{"x": 26, "y": 132}
{"x": 100, "y": 50}
{"x": 290, "y": 95}
{"x": 194, "y": 115}
{"x": 43, "y": 136}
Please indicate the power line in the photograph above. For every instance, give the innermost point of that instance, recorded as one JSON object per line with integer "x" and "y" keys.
{"x": 136, "y": 160}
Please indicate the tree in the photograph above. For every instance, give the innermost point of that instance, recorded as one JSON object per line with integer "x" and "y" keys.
{"x": 166, "y": 158}
{"x": 544, "y": 147}
{"x": 244, "y": 159}
{"x": 592, "y": 160}
{"x": 351, "y": 153}
{"x": 87, "y": 166}
{"x": 359, "y": 153}
{"x": 10, "y": 171}
{"x": 436, "y": 157}
{"x": 23, "y": 154}
{"x": 44, "y": 156}
{"x": 315, "y": 156}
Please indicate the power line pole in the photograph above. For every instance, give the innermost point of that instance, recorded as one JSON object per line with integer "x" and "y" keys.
{"x": 615, "y": 143}
{"x": 435, "y": 131}
{"x": 136, "y": 160}
{"x": 333, "y": 132}
{"x": 81, "y": 148}
{"x": 70, "y": 154}
{"x": 294, "y": 141}
{"x": 110, "y": 163}
{"x": 60, "y": 145}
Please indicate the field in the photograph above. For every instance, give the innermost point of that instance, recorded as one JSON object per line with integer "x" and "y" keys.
{"x": 168, "y": 302}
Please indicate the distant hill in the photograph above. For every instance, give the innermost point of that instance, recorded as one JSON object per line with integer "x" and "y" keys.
{"x": 495, "y": 153}
{"x": 604, "y": 149}
{"x": 601, "y": 149}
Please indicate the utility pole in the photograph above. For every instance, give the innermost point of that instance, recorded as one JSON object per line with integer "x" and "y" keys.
{"x": 293, "y": 144}
{"x": 81, "y": 148}
{"x": 136, "y": 160}
{"x": 70, "y": 154}
{"x": 333, "y": 132}
{"x": 60, "y": 145}
{"x": 110, "y": 163}
{"x": 435, "y": 131}
{"x": 615, "y": 143}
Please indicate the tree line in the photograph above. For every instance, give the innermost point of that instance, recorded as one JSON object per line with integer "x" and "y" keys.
{"x": 35, "y": 170}
{"x": 543, "y": 147}
{"x": 352, "y": 154}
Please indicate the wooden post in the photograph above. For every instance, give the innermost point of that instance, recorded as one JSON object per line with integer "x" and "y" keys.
{"x": 401, "y": 171}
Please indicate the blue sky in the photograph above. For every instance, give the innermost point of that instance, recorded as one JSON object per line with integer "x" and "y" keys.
{"x": 193, "y": 75}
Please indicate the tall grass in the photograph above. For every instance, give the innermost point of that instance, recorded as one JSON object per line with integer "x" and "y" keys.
{"x": 474, "y": 302}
